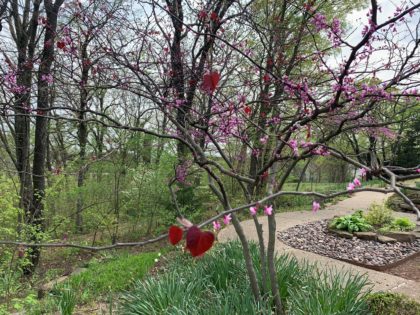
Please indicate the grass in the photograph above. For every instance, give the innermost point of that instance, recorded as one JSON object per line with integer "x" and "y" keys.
{"x": 327, "y": 187}
{"x": 114, "y": 275}
{"x": 101, "y": 282}
{"x": 218, "y": 284}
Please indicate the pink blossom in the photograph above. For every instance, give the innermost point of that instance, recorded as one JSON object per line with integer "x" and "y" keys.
{"x": 418, "y": 170}
{"x": 363, "y": 172}
{"x": 321, "y": 150}
{"x": 357, "y": 182}
{"x": 181, "y": 173}
{"x": 264, "y": 139}
{"x": 315, "y": 206}
{"x": 227, "y": 219}
{"x": 335, "y": 32}
{"x": 319, "y": 21}
{"x": 10, "y": 79}
{"x": 216, "y": 225}
{"x": 47, "y": 78}
{"x": 179, "y": 103}
{"x": 253, "y": 210}
{"x": 304, "y": 144}
{"x": 268, "y": 210}
{"x": 293, "y": 144}
{"x": 350, "y": 187}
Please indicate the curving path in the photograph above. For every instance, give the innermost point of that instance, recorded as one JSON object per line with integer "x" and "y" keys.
{"x": 381, "y": 281}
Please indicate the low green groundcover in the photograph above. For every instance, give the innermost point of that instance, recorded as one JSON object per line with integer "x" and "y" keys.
{"x": 111, "y": 276}
{"x": 382, "y": 303}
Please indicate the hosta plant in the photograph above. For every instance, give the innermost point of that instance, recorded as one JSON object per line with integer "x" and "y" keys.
{"x": 352, "y": 223}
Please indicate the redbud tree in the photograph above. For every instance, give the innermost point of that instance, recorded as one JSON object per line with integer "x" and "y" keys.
{"x": 244, "y": 90}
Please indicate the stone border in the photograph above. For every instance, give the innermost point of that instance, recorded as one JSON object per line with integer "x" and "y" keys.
{"x": 380, "y": 268}
{"x": 345, "y": 234}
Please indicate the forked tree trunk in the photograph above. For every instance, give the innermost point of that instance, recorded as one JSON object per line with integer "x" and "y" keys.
{"x": 41, "y": 130}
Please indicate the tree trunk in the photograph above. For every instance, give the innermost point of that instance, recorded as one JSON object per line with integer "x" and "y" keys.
{"x": 41, "y": 130}
{"x": 82, "y": 135}
{"x": 25, "y": 43}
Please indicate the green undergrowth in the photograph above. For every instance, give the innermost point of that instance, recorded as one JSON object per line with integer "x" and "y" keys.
{"x": 218, "y": 284}
{"x": 102, "y": 282}
{"x": 111, "y": 276}
{"x": 382, "y": 303}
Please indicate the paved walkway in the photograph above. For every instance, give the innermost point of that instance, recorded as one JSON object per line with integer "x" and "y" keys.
{"x": 381, "y": 281}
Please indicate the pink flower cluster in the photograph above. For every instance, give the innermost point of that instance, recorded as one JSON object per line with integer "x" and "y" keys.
{"x": 363, "y": 172}
{"x": 226, "y": 122}
{"x": 352, "y": 185}
{"x": 263, "y": 140}
{"x": 319, "y": 21}
{"x": 301, "y": 89}
{"x": 268, "y": 210}
{"x": 321, "y": 150}
{"x": 335, "y": 32}
{"x": 181, "y": 172}
{"x": 315, "y": 206}
{"x": 226, "y": 221}
{"x": 10, "y": 80}
{"x": 47, "y": 78}
{"x": 293, "y": 144}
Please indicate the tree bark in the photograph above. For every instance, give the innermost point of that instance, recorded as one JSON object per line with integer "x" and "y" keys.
{"x": 41, "y": 130}
{"x": 82, "y": 134}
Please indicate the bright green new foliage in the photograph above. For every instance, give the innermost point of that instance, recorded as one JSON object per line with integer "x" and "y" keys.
{"x": 352, "y": 223}
{"x": 402, "y": 224}
{"x": 378, "y": 215}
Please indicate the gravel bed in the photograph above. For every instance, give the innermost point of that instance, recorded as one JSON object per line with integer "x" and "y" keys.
{"x": 314, "y": 237}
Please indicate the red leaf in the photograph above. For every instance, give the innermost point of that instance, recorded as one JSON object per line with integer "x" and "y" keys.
{"x": 205, "y": 243}
{"x": 264, "y": 176}
{"x": 61, "y": 45}
{"x": 202, "y": 15}
{"x": 210, "y": 81}
{"x": 193, "y": 237}
{"x": 175, "y": 234}
{"x": 213, "y": 16}
{"x": 199, "y": 242}
{"x": 248, "y": 110}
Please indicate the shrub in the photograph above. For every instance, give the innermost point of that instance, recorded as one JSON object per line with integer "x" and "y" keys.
{"x": 352, "y": 223}
{"x": 388, "y": 303}
{"x": 378, "y": 215}
{"x": 402, "y": 224}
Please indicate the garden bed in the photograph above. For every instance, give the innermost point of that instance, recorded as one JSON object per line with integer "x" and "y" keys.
{"x": 315, "y": 237}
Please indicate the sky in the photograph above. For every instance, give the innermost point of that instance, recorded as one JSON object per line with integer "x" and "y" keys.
{"x": 358, "y": 19}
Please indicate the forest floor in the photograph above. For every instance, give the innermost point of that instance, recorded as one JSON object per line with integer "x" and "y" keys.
{"x": 381, "y": 281}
